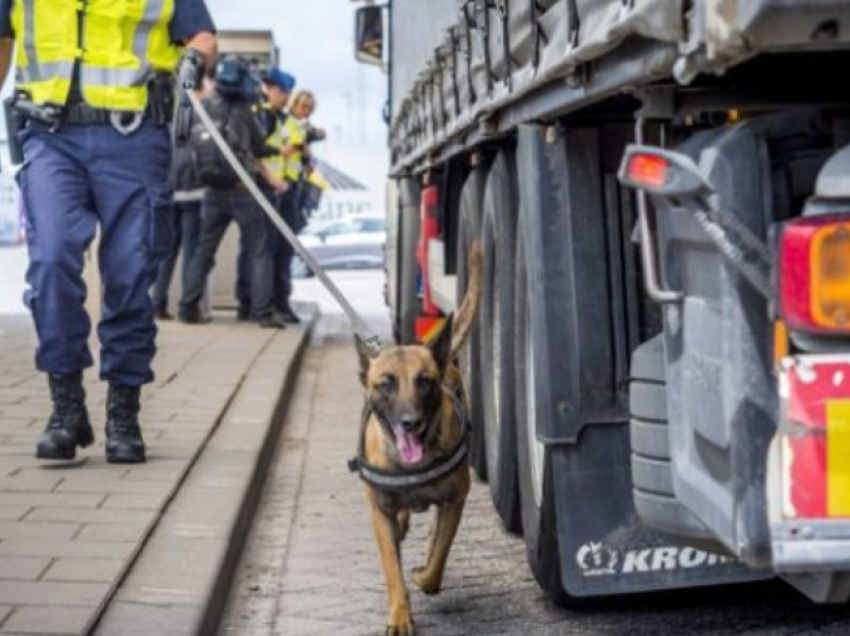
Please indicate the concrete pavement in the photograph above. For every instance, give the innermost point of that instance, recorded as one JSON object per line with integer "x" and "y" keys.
{"x": 82, "y": 537}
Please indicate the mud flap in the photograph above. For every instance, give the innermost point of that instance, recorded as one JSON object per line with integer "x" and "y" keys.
{"x": 604, "y": 548}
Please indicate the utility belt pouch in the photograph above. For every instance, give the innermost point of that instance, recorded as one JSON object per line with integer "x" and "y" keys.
{"x": 15, "y": 122}
{"x": 161, "y": 99}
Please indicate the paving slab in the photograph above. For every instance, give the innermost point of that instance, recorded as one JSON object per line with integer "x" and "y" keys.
{"x": 72, "y": 532}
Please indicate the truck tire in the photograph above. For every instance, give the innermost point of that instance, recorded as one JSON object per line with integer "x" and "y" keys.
{"x": 537, "y": 503}
{"x": 469, "y": 229}
{"x": 497, "y": 338}
{"x": 652, "y": 471}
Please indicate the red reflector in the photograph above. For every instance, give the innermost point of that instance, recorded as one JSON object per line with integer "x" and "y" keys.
{"x": 814, "y": 434}
{"x": 648, "y": 170}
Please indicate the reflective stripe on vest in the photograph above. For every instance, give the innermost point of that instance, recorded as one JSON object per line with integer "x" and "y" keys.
{"x": 295, "y": 135}
{"x": 114, "y": 71}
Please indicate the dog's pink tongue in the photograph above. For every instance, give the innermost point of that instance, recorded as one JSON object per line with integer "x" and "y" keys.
{"x": 410, "y": 449}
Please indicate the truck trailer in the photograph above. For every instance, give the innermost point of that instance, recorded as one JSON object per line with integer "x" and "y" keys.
{"x": 660, "y": 377}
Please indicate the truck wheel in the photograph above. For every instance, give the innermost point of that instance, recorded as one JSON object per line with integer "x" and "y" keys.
{"x": 497, "y": 337}
{"x": 651, "y": 468}
{"x": 537, "y": 502}
{"x": 469, "y": 358}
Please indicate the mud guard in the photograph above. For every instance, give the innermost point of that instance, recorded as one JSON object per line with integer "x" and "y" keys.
{"x": 604, "y": 548}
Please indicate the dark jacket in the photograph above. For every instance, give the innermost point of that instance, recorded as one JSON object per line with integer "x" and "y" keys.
{"x": 242, "y": 132}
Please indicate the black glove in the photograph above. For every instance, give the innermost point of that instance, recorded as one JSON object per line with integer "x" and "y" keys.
{"x": 190, "y": 76}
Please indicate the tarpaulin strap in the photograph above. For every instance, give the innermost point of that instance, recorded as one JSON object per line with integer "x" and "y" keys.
{"x": 361, "y": 330}
{"x": 469, "y": 23}
{"x": 538, "y": 34}
{"x": 504, "y": 13}
{"x": 455, "y": 52}
{"x": 573, "y": 23}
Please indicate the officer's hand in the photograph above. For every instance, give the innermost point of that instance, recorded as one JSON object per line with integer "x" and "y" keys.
{"x": 287, "y": 150}
{"x": 190, "y": 70}
{"x": 280, "y": 186}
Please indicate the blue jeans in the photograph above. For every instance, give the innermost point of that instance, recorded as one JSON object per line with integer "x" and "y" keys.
{"x": 220, "y": 208}
{"x": 72, "y": 180}
{"x": 187, "y": 234}
{"x": 281, "y": 252}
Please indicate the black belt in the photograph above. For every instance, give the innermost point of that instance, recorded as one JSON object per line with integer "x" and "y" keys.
{"x": 125, "y": 122}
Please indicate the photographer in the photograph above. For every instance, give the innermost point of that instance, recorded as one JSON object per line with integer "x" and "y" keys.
{"x": 226, "y": 199}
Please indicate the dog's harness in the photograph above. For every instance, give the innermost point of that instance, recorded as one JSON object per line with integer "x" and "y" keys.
{"x": 403, "y": 479}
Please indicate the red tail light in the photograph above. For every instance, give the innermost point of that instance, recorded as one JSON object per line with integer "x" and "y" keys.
{"x": 647, "y": 170}
{"x": 814, "y": 274}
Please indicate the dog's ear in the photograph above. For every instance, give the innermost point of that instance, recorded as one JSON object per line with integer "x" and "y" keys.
{"x": 441, "y": 345}
{"x": 366, "y": 353}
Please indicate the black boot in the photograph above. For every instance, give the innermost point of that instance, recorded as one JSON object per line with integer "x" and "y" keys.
{"x": 124, "y": 443}
{"x": 68, "y": 426}
{"x": 289, "y": 316}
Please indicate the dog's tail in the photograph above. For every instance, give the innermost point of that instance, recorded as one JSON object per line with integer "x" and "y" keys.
{"x": 466, "y": 315}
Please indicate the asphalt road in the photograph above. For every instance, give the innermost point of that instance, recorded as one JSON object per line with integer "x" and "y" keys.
{"x": 311, "y": 566}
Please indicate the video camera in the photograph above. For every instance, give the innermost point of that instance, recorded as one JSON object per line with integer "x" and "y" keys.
{"x": 236, "y": 81}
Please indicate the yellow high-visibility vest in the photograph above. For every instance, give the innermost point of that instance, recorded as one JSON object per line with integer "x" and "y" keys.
{"x": 124, "y": 42}
{"x": 276, "y": 164}
{"x": 295, "y": 134}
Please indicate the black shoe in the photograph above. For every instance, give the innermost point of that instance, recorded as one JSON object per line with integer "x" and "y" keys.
{"x": 243, "y": 313}
{"x": 68, "y": 426}
{"x": 124, "y": 443}
{"x": 274, "y": 321}
{"x": 289, "y": 316}
{"x": 193, "y": 316}
{"x": 163, "y": 314}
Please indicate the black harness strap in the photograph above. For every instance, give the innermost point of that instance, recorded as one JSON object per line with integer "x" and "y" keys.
{"x": 402, "y": 480}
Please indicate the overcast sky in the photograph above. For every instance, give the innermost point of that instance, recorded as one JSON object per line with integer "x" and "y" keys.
{"x": 316, "y": 41}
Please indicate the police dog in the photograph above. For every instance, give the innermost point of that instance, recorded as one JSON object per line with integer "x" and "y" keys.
{"x": 413, "y": 420}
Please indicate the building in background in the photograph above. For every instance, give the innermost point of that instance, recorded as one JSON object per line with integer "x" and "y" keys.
{"x": 344, "y": 196}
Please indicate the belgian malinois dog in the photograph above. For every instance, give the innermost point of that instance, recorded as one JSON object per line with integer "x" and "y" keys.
{"x": 413, "y": 420}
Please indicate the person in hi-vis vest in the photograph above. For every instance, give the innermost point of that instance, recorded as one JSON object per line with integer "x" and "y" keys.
{"x": 94, "y": 84}
{"x": 270, "y": 112}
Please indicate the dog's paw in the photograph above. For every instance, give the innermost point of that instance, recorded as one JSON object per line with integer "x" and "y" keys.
{"x": 406, "y": 629}
{"x": 426, "y": 583}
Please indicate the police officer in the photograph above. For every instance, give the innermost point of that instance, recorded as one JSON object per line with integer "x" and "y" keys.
{"x": 271, "y": 117}
{"x": 93, "y": 81}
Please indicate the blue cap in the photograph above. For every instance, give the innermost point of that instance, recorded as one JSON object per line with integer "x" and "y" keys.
{"x": 283, "y": 80}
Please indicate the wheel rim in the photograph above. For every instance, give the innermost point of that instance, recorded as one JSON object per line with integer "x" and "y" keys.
{"x": 536, "y": 450}
{"x": 494, "y": 423}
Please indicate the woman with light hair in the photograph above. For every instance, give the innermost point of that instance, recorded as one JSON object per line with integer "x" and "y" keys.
{"x": 298, "y": 134}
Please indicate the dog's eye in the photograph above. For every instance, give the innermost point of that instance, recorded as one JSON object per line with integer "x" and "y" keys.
{"x": 424, "y": 383}
{"x": 387, "y": 383}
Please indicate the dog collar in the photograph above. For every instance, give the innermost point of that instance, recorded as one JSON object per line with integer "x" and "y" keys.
{"x": 401, "y": 480}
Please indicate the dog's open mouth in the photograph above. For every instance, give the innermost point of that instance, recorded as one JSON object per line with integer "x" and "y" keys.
{"x": 410, "y": 447}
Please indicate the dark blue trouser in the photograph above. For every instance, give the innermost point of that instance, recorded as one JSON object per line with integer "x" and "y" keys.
{"x": 187, "y": 235}
{"x": 220, "y": 208}
{"x": 73, "y": 180}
